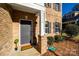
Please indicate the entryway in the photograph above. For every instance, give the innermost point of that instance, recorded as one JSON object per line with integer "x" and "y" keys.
{"x": 26, "y": 34}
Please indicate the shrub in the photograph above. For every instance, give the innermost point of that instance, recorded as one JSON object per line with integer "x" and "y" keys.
{"x": 64, "y": 34}
{"x": 50, "y": 40}
{"x": 72, "y": 29}
{"x": 57, "y": 38}
{"x": 62, "y": 38}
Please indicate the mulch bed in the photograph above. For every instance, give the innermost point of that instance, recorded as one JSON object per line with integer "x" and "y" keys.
{"x": 71, "y": 39}
{"x": 66, "y": 48}
{"x": 49, "y": 53}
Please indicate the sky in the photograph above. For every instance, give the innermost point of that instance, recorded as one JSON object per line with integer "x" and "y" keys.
{"x": 66, "y": 7}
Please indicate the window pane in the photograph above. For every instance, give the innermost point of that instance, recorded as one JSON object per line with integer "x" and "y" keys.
{"x": 56, "y": 26}
{"x": 48, "y": 5}
{"x": 48, "y": 27}
{"x": 57, "y": 7}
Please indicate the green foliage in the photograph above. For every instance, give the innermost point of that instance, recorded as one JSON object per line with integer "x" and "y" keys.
{"x": 62, "y": 38}
{"x": 50, "y": 40}
{"x": 57, "y": 38}
{"x": 16, "y": 41}
{"x": 72, "y": 29}
{"x": 64, "y": 34}
{"x": 76, "y": 37}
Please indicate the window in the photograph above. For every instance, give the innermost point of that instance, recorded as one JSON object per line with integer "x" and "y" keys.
{"x": 56, "y": 27}
{"x": 48, "y": 5}
{"x": 57, "y": 6}
{"x": 47, "y": 27}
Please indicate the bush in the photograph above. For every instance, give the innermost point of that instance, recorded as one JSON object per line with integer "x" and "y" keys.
{"x": 62, "y": 38}
{"x": 50, "y": 40}
{"x": 64, "y": 34}
{"x": 57, "y": 38}
{"x": 72, "y": 29}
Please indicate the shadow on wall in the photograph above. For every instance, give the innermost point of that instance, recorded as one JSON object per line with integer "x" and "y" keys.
{"x": 36, "y": 38}
{"x": 34, "y": 31}
{"x": 38, "y": 45}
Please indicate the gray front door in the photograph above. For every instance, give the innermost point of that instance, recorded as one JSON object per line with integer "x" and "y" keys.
{"x": 26, "y": 32}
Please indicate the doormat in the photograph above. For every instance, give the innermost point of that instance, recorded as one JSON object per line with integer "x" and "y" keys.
{"x": 26, "y": 47}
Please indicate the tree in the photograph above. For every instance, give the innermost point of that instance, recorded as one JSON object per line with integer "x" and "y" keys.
{"x": 72, "y": 29}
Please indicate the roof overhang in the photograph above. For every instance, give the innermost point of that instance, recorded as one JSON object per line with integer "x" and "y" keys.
{"x": 27, "y": 7}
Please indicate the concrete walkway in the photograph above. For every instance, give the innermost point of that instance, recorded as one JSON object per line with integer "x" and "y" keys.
{"x": 28, "y": 52}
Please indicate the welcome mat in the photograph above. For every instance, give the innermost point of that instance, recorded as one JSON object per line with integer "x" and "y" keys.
{"x": 26, "y": 47}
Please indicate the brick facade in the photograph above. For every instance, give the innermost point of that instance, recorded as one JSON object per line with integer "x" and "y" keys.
{"x": 6, "y": 42}
{"x": 19, "y": 15}
{"x": 10, "y": 28}
{"x": 52, "y": 15}
{"x": 40, "y": 42}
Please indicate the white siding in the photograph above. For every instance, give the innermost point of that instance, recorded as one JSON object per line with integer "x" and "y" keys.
{"x": 41, "y": 4}
{"x": 33, "y": 5}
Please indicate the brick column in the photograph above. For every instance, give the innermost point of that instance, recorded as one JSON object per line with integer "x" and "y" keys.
{"x": 43, "y": 44}
{"x": 43, "y": 39}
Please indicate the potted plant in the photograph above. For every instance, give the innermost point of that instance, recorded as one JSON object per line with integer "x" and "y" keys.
{"x": 16, "y": 42}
